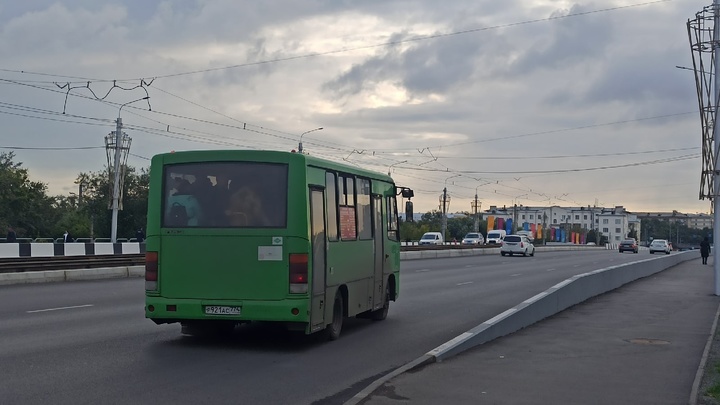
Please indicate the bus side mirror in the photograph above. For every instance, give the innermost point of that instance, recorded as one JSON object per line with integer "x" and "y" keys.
{"x": 409, "y": 211}
{"x": 407, "y": 193}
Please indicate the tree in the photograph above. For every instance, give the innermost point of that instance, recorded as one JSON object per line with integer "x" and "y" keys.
{"x": 459, "y": 226}
{"x": 24, "y": 204}
{"x": 97, "y": 203}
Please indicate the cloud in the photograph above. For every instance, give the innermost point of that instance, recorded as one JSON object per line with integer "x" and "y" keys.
{"x": 491, "y": 83}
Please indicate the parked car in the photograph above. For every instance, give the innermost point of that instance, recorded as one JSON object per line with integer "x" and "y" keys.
{"x": 660, "y": 245}
{"x": 629, "y": 245}
{"x": 431, "y": 238}
{"x": 473, "y": 238}
{"x": 517, "y": 244}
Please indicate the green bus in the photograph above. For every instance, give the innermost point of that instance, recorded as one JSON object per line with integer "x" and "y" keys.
{"x": 235, "y": 236}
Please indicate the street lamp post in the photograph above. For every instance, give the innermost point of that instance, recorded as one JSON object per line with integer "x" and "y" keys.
{"x": 300, "y": 148}
{"x": 445, "y": 199}
{"x": 515, "y": 201}
{"x": 476, "y": 207}
{"x": 116, "y": 168}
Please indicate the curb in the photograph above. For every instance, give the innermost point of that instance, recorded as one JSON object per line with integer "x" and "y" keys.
{"x": 701, "y": 367}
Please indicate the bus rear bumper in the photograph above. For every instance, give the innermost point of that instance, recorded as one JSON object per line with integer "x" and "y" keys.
{"x": 168, "y": 310}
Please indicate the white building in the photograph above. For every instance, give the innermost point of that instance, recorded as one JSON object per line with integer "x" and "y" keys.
{"x": 614, "y": 223}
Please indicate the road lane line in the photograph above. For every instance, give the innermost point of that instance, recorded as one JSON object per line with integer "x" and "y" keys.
{"x": 465, "y": 283}
{"x": 422, "y": 271}
{"x": 58, "y": 309}
{"x": 516, "y": 274}
{"x": 550, "y": 269}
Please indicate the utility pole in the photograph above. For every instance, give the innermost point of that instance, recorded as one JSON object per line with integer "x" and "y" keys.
{"x": 476, "y": 206}
{"x": 716, "y": 143}
{"x": 116, "y": 179}
{"x": 444, "y": 212}
{"x": 120, "y": 143}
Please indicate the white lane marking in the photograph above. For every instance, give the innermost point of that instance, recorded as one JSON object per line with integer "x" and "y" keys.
{"x": 58, "y": 309}
{"x": 516, "y": 274}
{"x": 422, "y": 271}
{"x": 550, "y": 269}
{"x": 576, "y": 265}
{"x": 465, "y": 283}
{"x": 468, "y": 266}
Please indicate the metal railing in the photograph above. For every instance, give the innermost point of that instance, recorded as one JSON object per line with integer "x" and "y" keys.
{"x": 77, "y": 240}
{"x": 24, "y": 264}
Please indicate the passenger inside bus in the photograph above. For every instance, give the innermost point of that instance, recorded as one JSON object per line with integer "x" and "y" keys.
{"x": 183, "y": 208}
{"x": 245, "y": 208}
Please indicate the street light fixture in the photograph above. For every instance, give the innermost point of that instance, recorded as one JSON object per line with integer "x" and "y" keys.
{"x": 394, "y": 164}
{"x": 300, "y": 148}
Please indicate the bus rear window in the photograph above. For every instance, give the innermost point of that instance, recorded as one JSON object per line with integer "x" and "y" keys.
{"x": 225, "y": 195}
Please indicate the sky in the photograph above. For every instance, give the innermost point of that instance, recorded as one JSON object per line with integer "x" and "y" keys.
{"x": 533, "y": 103}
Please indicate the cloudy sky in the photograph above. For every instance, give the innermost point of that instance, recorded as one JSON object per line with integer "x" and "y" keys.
{"x": 530, "y": 102}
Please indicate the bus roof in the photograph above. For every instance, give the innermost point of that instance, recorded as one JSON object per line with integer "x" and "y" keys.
{"x": 221, "y": 155}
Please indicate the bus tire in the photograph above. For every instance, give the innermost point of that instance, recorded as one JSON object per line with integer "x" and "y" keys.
{"x": 333, "y": 329}
{"x": 381, "y": 314}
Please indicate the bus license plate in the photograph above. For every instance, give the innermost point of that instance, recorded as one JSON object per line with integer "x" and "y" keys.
{"x": 217, "y": 310}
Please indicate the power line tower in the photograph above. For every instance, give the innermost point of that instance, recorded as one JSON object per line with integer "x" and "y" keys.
{"x": 117, "y": 148}
{"x": 704, "y": 35}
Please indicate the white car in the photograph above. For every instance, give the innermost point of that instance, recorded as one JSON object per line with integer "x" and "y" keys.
{"x": 431, "y": 238}
{"x": 473, "y": 238}
{"x": 517, "y": 244}
{"x": 660, "y": 245}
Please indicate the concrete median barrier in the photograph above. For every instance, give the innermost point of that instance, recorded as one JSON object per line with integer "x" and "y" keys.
{"x": 50, "y": 276}
{"x": 555, "y": 299}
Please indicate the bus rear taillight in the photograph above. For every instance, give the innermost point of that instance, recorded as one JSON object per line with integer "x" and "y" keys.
{"x": 298, "y": 273}
{"x": 151, "y": 271}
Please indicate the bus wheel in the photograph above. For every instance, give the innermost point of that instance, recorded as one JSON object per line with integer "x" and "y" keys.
{"x": 334, "y": 328}
{"x": 381, "y": 313}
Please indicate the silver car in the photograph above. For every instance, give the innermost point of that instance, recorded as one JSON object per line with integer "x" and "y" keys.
{"x": 517, "y": 244}
{"x": 660, "y": 245}
{"x": 473, "y": 238}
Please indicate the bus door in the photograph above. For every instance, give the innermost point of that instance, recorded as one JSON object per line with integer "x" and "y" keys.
{"x": 318, "y": 244}
{"x": 379, "y": 236}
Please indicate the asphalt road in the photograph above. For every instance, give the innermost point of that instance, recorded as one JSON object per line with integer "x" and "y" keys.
{"x": 88, "y": 342}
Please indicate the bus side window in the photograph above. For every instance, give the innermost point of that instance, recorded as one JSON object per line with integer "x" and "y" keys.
{"x": 392, "y": 218}
{"x": 331, "y": 205}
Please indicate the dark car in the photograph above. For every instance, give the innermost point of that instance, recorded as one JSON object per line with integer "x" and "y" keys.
{"x": 629, "y": 245}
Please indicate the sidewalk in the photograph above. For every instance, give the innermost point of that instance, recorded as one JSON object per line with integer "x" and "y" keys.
{"x": 639, "y": 344}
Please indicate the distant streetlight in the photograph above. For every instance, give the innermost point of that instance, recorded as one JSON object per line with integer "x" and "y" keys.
{"x": 396, "y": 163}
{"x": 300, "y": 148}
